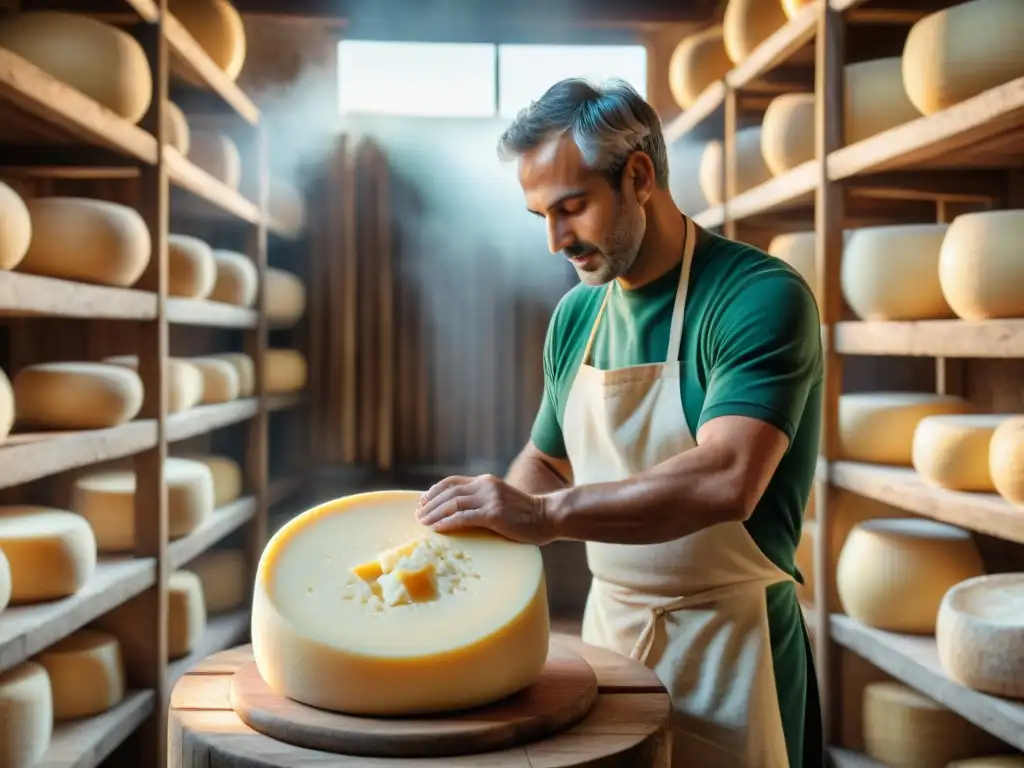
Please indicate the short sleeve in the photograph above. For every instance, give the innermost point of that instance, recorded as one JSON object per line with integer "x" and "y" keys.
{"x": 547, "y": 431}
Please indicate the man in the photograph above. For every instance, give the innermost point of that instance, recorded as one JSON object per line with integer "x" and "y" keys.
{"x": 677, "y": 435}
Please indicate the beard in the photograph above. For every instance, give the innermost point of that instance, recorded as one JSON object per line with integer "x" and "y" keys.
{"x": 616, "y": 256}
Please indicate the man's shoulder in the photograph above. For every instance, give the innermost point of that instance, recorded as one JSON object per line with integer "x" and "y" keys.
{"x": 579, "y": 305}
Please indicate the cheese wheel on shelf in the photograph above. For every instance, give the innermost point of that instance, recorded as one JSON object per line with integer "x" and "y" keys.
{"x": 245, "y": 369}
{"x": 685, "y": 156}
{"x": 227, "y": 476}
{"x": 220, "y": 380}
{"x": 191, "y": 270}
{"x": 954, "y": 54}
{"x": 794, "y": 7}
{"x": 218, "y": 155}
{"x": 697, "y": 61}
{"x": 885, "y": 560}
{"x": 750, "y": 166}
{"x": 27, "y": 706}
{"x": 225, "y": 578}
{"x": 787, "y": 132}
{"x": 91, "y": 241}
{"x": 286, "y": 206}
{"x": 980, "y": 634}
{"x": 748, "y": 23}
{"x": 952, "y": 451}
{"x": 981, "y": 265}
{"x": 874, "y": 99}
{"x": 7, "y": 407}
{"x": 286, "y": 298}
{"x": 51, "y": 552}
{"x": 184, "y": 381}
{"x": 237, "y": 279}
{"x": 805, "y": 561}
{"x": 76, "y": 395}
{"x": 1006, "y": 460}
{"x": 284, "y": 371}
{"x": 176, "y": 130}
{"x": 797, "y": 250}
{"x": 359, "y": 608}
{"x": 218, "y": 28}
{"x": 98, "y": 59}
{"x": 5, "y": 582}
{"x": 86, "y": 674}
{"x": 15, "y": 228}
{"x": 106, "y": 500}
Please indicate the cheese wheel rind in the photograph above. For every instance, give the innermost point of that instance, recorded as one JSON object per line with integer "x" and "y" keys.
{"x": 86, "y": 674}
{"x": 227, "y": 476}
{"x": 224, "y": 574}
{"x": 286, "y": 298}
{"x": 191, "y": 269}
{"x": 184, "y": 381}
{"x": 15, "y": 228}
{"x": 748, "y": 23}
{"x": 751, "y": 169}
{"x": 1006, "y": 460}
{"x": 787, "y": 132}
{"x": 874, "y": 99}
{"x": 7, "y": 406}
{"x": 697, "y": 62}
{"x": 5, "y": 582}
{"x": 176, "y": 129}
{"x": 952, "y": 451}
{"x": 219, "y": 30}
{"x": 237, "y": 279}
{"x": 77, "y": 395}
{"x": 981, "y": 265}
{"x": 284, "y": 371}
{"x": 220, "y": 379}
{"x": 244, "y": 367}
{"x": 27, "y": 706}
{"x": 51, "y": 552}
{"x": 798, "y": 250}
{"x": 218, "y": 155}
{"x": 685, "y": 157}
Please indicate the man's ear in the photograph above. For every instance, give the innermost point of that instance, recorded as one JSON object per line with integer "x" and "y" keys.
{"x": 640, "y": 175}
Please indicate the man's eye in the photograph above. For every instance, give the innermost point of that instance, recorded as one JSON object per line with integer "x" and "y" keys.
{"x": 573, "y": 208}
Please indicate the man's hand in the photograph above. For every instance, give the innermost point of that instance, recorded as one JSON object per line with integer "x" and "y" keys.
{"x": 457, "y": 503}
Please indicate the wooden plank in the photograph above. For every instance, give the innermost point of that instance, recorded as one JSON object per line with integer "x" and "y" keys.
{"x": 87, "y": 742}
{"x": 194, "y": 180}
{"x": 777, "y": 49}
{"x": 792, "y": 188}
{"x": 224, "y": 520}
{"x": 933, "y": 338}
{"x": 704, "y": 107}
{"x": 223, "y": 631}
{"x": 711, "y": 218}
{"x": 207, "y": 418}
{"x": 146, "y": 9}
{"x": 212, "y": 314}
{"x": 24, "y": 295}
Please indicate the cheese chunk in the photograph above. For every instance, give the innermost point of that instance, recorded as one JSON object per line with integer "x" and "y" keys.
{"x": 884, "y": 560}
{"x": 874, "y": 99}
{"x": 698, "y": 61}
{"x": 106, "y": 500}
{"x": 751, "y": 169}
{"x": 218, "y": 155}
{"x": 220, "y": 380}
{"x": 26, "y": 710}
{"x": 952, "y": 450}
{"x": 98, "y": 59}
{"x": 286, "y": 298}
{"x": 284, "y": 370}
{"x": 748, "y": 23}
{"x": 1006, "y": 460}
{"x": 76, "y": 395}
{"x": 184, "y": 381}
{"x": 980, "y": 634}
{"x": 5, "y": 582}
{"x": 237, "y": 279}
{"x": 7, "y": 407}
{"x": 51, "y": 552}
{"x": 91, "y": 241}
{"x": 245, "y": 369}
{"x": 225, "y": 577}
{"x": 878, "y": 427}
{"x": 286, "y": 206}
{"x": 981, "y": 266}
{"x": 685, "y": 157}
{"x": 191, "y": 270}
{"x": 217, "y": 27}
{"x": 176, "y": 131}
{"x": 959, "y": 52}
{"x": 227, "y": 476}
{"x": 787, "y": 132}
{"x": 15, "y": 228}
{"x": 456, "y": 622}
{"x": 86, "y": 674}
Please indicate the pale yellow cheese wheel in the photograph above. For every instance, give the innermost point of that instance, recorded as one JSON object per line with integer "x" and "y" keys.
{"x": 76, "y": 395}
{"x": 51, "y": 552}
{"x": 787, "y": 132}
{"x": 237, "y": 279}
{"x": 218, "y": 28}
{"x": 748, "y": 23}
{"x": 7, "y": 408}
{"x": 27, "y": 706}
{"x": 981, "y": 265}
{"x": 793, "y": 7}
{"x": 225, "y": 577}
{"x": 698, "y": 61}
{"x": 797, "y": 250}
{"x": 15, "y": 228}
{"x": 86, "y": 674}
{"x": 874, "y": 99}
{"x": 957, "y": 53}
{"x": 684, "y": 161}
{"x": 751, "y": 169}
{"x": 220, "y": 380}
{"x": 176, "y": 130}
{"x": 227, "y": 476}
{"x": 98, "y": 59}
{"x": 5, "y": 581}
{"x": 184, "y": 381}
{"x": 191, "y": 270}
{"x": 284, "y": 370}
{"x": 892, "y": 272}
{"x": 218, "y": 155}
{"x": 1006, "y": 460}
{"x": 245, "y": 369}
{"x": 952, "y": 451}
{"x": 286, "y": 298}
{"x": 286, "y": 205}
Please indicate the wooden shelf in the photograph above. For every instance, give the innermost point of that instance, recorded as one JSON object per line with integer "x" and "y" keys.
{"x": 933, "y": 338}
{"x": 223, "y": 631}
{"x": 218, "y": 197}
{"x": 711, "y": 218}
{"x": 706, "y": 105}
{"x": 790, "y": 189}
{"x": 207, "y": 418}
{"x": 87, "y": 743}
{"x": 777, "y": 49}
{"x": 225, "y": 520}
{"x": 213, "y": 314}
{"x": 24, "y": 295}
{"x": 147, "y": 9}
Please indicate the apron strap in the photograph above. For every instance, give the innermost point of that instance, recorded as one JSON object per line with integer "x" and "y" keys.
{"x": 597, "y": 323}
{"x": 675, "y": 334}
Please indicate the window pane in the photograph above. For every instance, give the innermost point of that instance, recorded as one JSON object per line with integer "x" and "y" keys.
{"x": 526, "y": 71}
{"x": 423, "y": 79}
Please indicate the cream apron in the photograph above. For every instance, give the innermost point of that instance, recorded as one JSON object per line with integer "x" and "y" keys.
{"x": 693, "y": 609}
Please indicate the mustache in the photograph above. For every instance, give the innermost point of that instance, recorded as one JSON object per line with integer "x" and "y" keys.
{"x": 578, "y": 249}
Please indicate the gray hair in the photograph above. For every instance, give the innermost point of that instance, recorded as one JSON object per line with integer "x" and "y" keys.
{"x": 608, "y": 124}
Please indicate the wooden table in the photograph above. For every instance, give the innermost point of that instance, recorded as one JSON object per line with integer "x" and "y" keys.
{"x": 627, "y": 728}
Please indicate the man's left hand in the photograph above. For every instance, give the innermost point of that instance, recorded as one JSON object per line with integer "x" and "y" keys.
{"x": 457, "y": 503}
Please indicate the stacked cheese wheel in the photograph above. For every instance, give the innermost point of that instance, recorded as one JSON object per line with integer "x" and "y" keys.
{"x": 751, "y": 169}
{"x": 698, "y": 61}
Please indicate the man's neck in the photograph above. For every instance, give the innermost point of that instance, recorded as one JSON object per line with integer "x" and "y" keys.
{"x": 662, "y": 247}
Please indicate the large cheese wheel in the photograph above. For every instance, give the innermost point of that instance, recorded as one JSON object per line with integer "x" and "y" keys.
{"x": 5, "y": 582}
{"x": 237, "y": 279}
{"x": 1006, "y": 460}
{"x": 981, "y": 265}
{"x": 191, "y": 270}
{"x": 874, "y": 99}
{"x": 93, "y": 241}
{"x": 698, "y": 61}
{"x": 218, "y": 155}
{"x": 106, "y": 499}
{"x": 245, "y": 369}
{"x": 27, "y": 706}
{"x": 15, "y": 228}
{"x": 220, "y": 380}
{"x": 878, "y": 427}
{"x": 217, "y": 27}
{"x": 793, "y": 7}
{"x": 797, "y": 249}
{"x": 358, "y": 608}
{"x": 980, "y": 634}
{"x": 952, "y": 450}
{"x": 284, "y": 370}
{"x": 892, "y": 272}
{"x": 787, "y": 132}
{"x": 957, "y": 53}
{"x": 286, "y": 298}
{"x": 184, "y": 381}
{"x": 98, "y": 59}
{"x": 885, "y": 560}
{"x": 227, "y": 476}
{"x": 225, "y": 577}
{"x": 76, "y": 395}
{"x": 7, "y": 407}
{"x": 51, "y": 552}
{"x": 750, "y": 166}
{"x": 176, "y": 130}
{"x": 86, "y": 674}
{"x": 748, "y": 23}
{"x": 286, "y": 205}
{"x": 684, "y": 161}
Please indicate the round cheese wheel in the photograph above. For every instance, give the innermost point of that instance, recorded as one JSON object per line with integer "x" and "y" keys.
{"x": 684, "y": 163}
{"x": 284, "y": 370}
{"x": 7, "y": 407}
{"x": 751, "y": 169}
{"x": 51, "y": 552}
{"x": 748, "y": 23}
{"x": 15, "y": 228}
{"x": 698, "y": 61}
{"x": 981, "y": 265}
{"x": 1006, "y": 460}
{"x": 106, "y": 499}
{"x": 27, "y": 704}
{"x": 218, "y": 28}
{"x": 86, "y": 674}
{"x": 878, "y": 427}
{"x": 959, "y": 52}
{"x": 218, "y": 155}
{"x": 980, "y": 634}
{"x": 874, "y": 99}
{"x": 77, "y": 395}
{"x": 92, "y": 241}
{"x": 793, "y": 7}
{"x": 184, "y": 381}
{"x": 220, "y": 380}
{"x": 5, "y": 582}
{"x": 176, "y": 131}
{"x": 227, "y": 476}
{"x": 359, "y": 608}
{"x": 225, "y": 577}
{"x": 787, "y": 132}
{"x": 892, "y": 272}
{"x": 286, "y": 298}
{"x": 245, "y": 369}
{"x": 237, "y": 279}
{"x": 286, "y": 205}
{"x": 885, "y": 560}
{"x": 805, "y": 561}
{"x": 191, "y": 270}
{"x": 952, "y": 451}
{"x": 797, "y": 250}
{"x": 98, "y": 59}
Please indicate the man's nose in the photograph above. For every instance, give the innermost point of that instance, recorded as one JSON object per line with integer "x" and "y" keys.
{"x": 559, "y": 236}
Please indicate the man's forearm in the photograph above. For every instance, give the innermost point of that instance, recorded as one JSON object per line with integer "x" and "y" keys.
{"x": 532, "y": 474}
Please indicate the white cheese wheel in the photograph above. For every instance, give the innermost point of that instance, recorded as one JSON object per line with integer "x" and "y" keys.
{"x": 284, "y": 370}
{"x": 225, "y": 577}
{"x": 191, "y": 270}
{"x": 176, "y": 130}
{"x": 994, "y": 761}
{"x": 92, "y": 241}
{"x": 220, "y": 380}
{"x": 227, "y": 476}
{"x": 797, "y": 250}
{"x": 787, "y": 132}
{"x": 76, "y": 395}
{"x": 793, "y": 7}
{"x": 751, "y": 169}
{"x": 245, "y": 369}
{"x": 7, "y": 407}
{"x": 748, "y": 23}
{"x": 952, "y": 451}
{"x": 885, "y": 560}
{"x": 98, "y": 59}
{"x": 237, "y": 279}
{"x": 217, "y": 27}
{"x": 15, "y": 228}
{"x": 684, "y": 160}
{"x": 184, "y": 381}
{"x": 892, "y": 272}
{"x": 805, "y": 561}
{"x": 286, "y": 205}
{"x": 106, "y": 499}
{"x": 981, "y": 265}
{"x": 218, "y": 155}
{"x": 1006, "y": 460}
{"x": 698, "y": 61}
{"x": 957, "y": 53}
{"x": 27, "y": 706}
{"x": 286, "y": 298}
{"x": 51, "y": 552}
{"x": 427, "y": 623}
{"x": 5, "y": 582}
{"x": 874, "y": 99}
{"x": 86, "y": 674}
